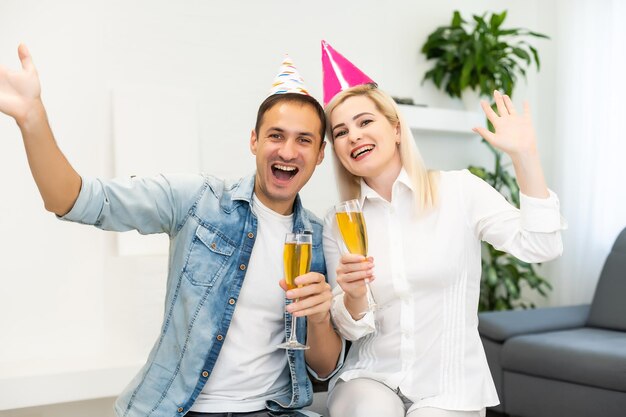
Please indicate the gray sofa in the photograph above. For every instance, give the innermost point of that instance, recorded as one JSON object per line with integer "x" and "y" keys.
{"x": 564, "y": 361}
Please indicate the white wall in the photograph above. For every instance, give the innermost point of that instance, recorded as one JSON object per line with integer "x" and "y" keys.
{"x": 66, "y": 297}
{"x": 102, "y": 407}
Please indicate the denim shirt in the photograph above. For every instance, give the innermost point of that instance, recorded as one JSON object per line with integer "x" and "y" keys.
{"x": 212, "y": 231}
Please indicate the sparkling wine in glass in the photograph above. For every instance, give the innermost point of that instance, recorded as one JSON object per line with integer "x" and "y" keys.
{"x": 353, "y": 231}
{"x": 297, "y": 261}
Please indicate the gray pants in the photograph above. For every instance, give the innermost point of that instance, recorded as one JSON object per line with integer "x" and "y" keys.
{"x": 364, "y": 397}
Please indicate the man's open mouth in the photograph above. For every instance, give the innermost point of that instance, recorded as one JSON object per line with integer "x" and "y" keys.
{"x": 361, "y": 150}
{"x": 284, "y": 172}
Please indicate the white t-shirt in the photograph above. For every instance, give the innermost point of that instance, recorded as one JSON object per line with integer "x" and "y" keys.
{"x": 250, "y": 369}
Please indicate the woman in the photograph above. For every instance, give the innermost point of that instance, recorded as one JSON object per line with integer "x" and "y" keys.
{"x": 419, "y": 353}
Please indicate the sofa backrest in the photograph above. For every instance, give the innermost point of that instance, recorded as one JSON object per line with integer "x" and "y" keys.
{"x": 608, "y": 308}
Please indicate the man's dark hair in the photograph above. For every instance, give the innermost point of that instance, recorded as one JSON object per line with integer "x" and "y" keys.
{"x": 303, "y": 99}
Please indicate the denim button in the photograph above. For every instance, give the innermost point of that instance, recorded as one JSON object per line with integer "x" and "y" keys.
{"x": 231, "y": 301}
{"x": 205, "y": 374}
{"x": 180, "y": 409}
{"x": 242, "y": 267}
{"x": 220, "y": 337}
{"x": 250, "y": 235}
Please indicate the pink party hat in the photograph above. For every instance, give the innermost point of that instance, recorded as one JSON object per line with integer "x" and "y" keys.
{"x": 288, "y": 80}
{"x": 339, "y": 74}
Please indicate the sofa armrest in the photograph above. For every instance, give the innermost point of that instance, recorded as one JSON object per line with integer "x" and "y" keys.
{"x": 502, "y": 325}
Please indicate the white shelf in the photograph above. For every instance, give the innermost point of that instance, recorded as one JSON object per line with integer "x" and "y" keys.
{"x": 23, "y": 386}
{"x": 442, "y": 120}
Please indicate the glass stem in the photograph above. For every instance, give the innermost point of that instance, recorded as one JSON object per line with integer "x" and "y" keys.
{"x": 292, "y": 337}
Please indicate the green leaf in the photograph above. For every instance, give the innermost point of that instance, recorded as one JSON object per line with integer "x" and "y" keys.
{"x": 532, "y": 280}
{"x": 512, "y": 186}
{"x": 501, "y": 305}
{"x": 479, "y": 56}
{"x": 536, "y": 56}
{"x": 480, "y": 172}
{"x": 512, "y": 272}
{"x": 539, "y": 35}
{"x": 522, "y": 54}
{"x": 480, "y": 20}
{"x": 438, "y": 77}
{"x": 508, "y": 32}
{"x": 496, "y": 21}
{"x": 466, "y": 73}
{"x": 511, "y": 288}
{"x": 492, "y": 276}
{"x": 457, "y": 19}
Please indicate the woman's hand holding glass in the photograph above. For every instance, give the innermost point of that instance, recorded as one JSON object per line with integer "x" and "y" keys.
{"x": 351, "y": 224}
{"x": 353, "y": 275}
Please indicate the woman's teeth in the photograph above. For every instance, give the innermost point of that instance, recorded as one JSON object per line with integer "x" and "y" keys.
{"x": 361, "y": 151}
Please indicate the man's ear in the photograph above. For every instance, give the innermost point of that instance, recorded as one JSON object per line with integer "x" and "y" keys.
{"x": 320, "y": 155}
{"x": 253, "y": 142}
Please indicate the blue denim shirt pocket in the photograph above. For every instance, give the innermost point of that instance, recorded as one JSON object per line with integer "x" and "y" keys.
{"x": 208, "y": 256}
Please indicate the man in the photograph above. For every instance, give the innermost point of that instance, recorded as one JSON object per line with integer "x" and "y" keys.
{"x": 224, "y": 312}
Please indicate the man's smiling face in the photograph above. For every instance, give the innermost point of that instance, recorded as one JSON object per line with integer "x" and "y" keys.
{"x": 288, "y": 147}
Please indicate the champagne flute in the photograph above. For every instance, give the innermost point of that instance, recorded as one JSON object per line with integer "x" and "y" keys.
{"x": 297, "y": 261}
{"x": 351, "y": 222}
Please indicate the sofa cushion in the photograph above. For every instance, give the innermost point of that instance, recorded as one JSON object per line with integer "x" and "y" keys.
{"x": 502, "y": 325}
{"x": 586, "y": 356}
{"x": 540, "y": 397}
{"x": 608, "y": 309}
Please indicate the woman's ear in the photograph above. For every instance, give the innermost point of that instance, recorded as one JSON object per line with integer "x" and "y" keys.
{"x": 398, "y": 133}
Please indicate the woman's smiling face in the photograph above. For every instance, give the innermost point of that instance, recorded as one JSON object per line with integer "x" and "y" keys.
{"x": 363, "y": 138}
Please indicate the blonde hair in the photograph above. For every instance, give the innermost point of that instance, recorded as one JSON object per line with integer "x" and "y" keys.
{"x": 424, "y": 182}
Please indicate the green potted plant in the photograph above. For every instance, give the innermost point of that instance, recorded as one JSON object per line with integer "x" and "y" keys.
{"x": 482, "y": 56}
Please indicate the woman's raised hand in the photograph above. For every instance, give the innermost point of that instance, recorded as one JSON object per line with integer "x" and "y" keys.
{"x": 19, "y": 90}
{"x": 514, "y": 133}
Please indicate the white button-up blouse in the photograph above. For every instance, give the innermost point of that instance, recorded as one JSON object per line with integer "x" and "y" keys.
{"x": 423, "y": 339}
